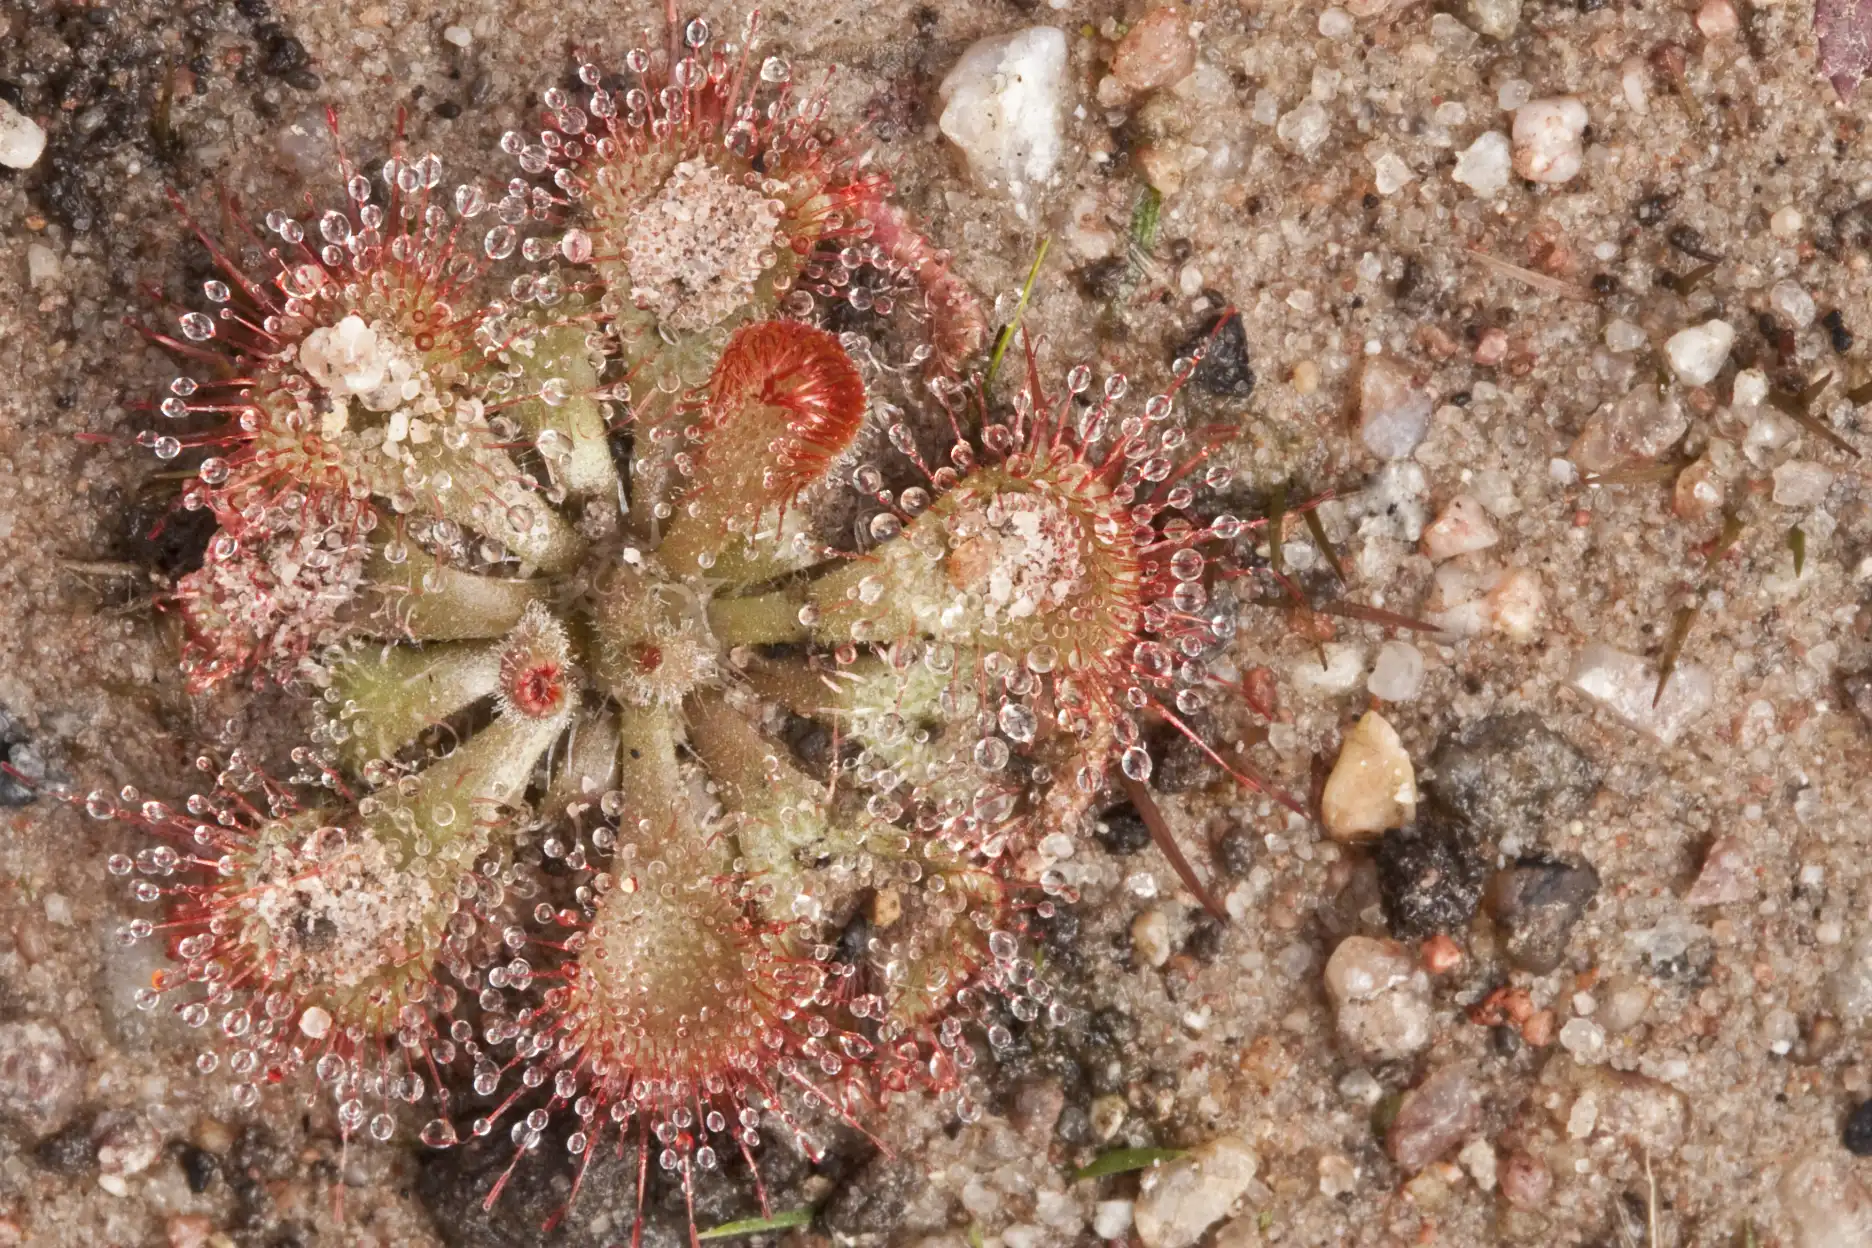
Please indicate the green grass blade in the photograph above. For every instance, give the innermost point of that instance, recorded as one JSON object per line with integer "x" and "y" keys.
{"x": 754, "y": 1226}
{"x": 1122, "y": 1160}
{"x": 1006, "y": 335}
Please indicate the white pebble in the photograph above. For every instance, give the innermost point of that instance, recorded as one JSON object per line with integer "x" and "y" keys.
{"x": 1150, "y": 937}
{"x": 1635, "y": 82}
{"x": 1111, "y": 1219}
{"x": 1344, "y": 665}
{"x": 1452, "y": 34}
{"x": 1179, "y": 1200}
{"x": 21, "y": 139}
{"x": 1337, "y": 1174}
{"x": 1394, "y": 415}
{"x": 1397, "y": 675}
{"x": 1786, "y": 222}
{"x": 42, "y": 265}
{"x": 1381, "y": 1000}
{"x": 1717, "y": 19}
{"x": 1498, "y": 19}
{"x": 1802, "y": 483}
{"x": 1513, "y": 94}
{"x": 1624, "y": 336}
{"x": 58, "y": 909}
{"x": 1514, "y": 606}
{"x": 1494, "y": 489}
{"x": 1303, "y": 131}
{"x": 1584, "y": 1039}
{"x": 1003, "y": 104}
{"x": 1335, "y": 23}
{"x": 1478, "y": 1158}
{"x": 1626, "y": 685}
{"x": 1696, "y": 354}
{"x": 1461, "y": 529}
{"x": 1791, "y": 300}
{"x": 1390, "y": 173}
{"x": 1484, "y": 165}
{"x": 460, "y": 36}
{"x": 1750, "y": 389}
{"x": 1547, "y": 139}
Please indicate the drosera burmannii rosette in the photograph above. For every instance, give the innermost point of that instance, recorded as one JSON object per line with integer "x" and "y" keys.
{"x": 558, "y": 856}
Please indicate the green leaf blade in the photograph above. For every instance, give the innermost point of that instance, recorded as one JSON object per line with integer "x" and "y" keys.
{"x": 754, "y": 1226}
{"x": 1124, "y": 1160}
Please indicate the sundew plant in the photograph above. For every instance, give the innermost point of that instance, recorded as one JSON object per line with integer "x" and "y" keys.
{"x": 665, "y": 585}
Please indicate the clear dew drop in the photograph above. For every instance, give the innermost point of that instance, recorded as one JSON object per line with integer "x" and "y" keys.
{"x": 1017, "y": 721}
{"x": 1136, "y": 763}
{"x": 500, "y": 242}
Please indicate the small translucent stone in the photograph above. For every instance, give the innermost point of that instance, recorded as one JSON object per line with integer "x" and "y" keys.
{"x": 1547, "y": 139}
{"x": 1584, "y": 1039}
{"x": 1397, "y": 675}
{"x": 42, "y": 265}
{"x": 1435, "y": 1116}
{"x": 1485, "y": 164}
{"x": 1623, "y": 336}
{"x": 1156, "y": 51}
{"x": 1150, "y": 937}
{"x": 1791, "y": 301}
{"x": 1498, "y": 19}
{"x": 1462, "y": 528}
{"x": 1696, "y": 354}
{"x": 1381, "y": 1000}
{"x": 1179, "y": 1200}
{"x": 1343, "y": 667}
{"x": 1639, "y": 426}
{"x": 1111, "y": 1219}
{"x": 1727, "y": 875}
{"x": 22, "y": 139}
{"x": 1394, "y": 415}
{"x": 1304, "y": 130}
{"x": 1802, "y": 483}
{"x": 1390, "y": 173}
{"x": 1004, "y": 106}
{"x": 1626, "y": 685}
{"x": 1337, "y": 1174}
{"x": 1717, "y": 19}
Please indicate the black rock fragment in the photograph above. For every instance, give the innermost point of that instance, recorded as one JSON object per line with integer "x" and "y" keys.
{"x": 1225, "y": 370}
{"x": 1429, "y": 876}
{"x": 1121, "y": 830}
